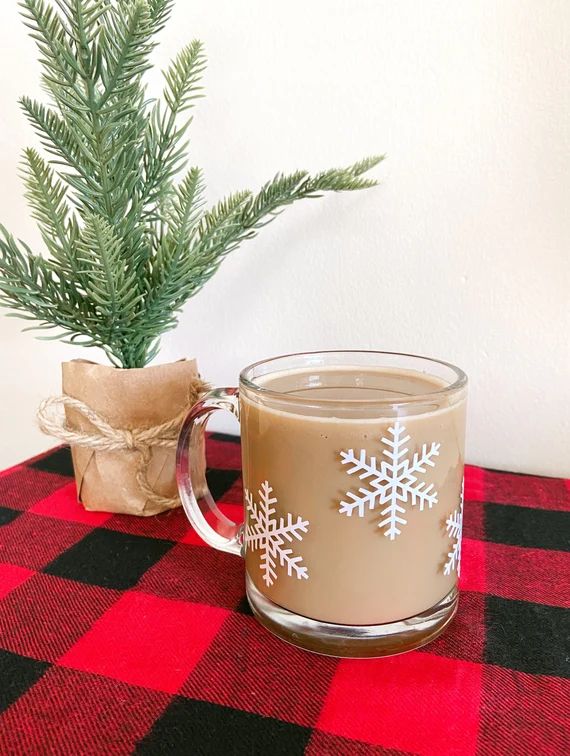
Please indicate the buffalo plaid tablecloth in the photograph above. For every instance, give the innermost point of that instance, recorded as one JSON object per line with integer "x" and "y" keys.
{"x": 122, "y": 635}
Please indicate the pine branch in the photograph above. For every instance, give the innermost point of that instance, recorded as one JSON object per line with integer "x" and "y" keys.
{"x": 47, "y": 198}
{"x": 165, "y": 153}
{"x": 219, "y": 235}
{"x": 49, "y": 33}
{"x": 182, "y": 77}
{"x": 185, "y": 209}
{"x": 29, "y": 284}
{"x": 110, "y": 285}
{"x": 160, "y": 11}
{"x": 126, "y": 46}
{"x": 58, "y": 139}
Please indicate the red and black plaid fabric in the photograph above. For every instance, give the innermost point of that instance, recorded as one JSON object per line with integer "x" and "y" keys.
{"x": 122, "y": 635}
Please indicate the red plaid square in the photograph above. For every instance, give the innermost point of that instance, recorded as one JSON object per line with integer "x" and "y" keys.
{"x": 473, "y": 565}
{"x": 22, "y": 487}
{"x": 418, "y": 702}
{"x": 524, "y": 713}
{"x": 535, "y": 575}
{"x": 33, "y": 541}
{"x": 148, "y": 641}
{"x": 526, "y": 491}
{"x": 223, "y": 455}
{"x": 474, "y": 522}
{"x": 63, "y": 505}
{"x": 198, "y": 574}
{"x": 45, "y": 615}
{"x": 474, "y": 483}
{"x": 234, "y": 512}
{"x": 249, "y": 669}
{"x": 79, "y": 714}
{"x": 11, "y": 577}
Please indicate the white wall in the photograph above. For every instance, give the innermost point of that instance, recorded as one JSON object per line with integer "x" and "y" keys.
{"x": 461, "y": 253}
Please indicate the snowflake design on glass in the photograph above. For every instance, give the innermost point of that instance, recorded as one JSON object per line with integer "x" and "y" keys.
{"x": 269, "y": 535}
{"x": 454, "y": 528}
{"x": 392, "y": 484}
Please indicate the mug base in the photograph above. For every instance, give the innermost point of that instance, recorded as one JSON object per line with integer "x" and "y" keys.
{"x": 353, "y": 641}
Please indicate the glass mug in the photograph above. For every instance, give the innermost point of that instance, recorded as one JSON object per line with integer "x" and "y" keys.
{"x": 352, "y": 473}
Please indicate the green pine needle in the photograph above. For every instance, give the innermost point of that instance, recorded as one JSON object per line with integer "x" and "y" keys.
{"x": 127, "y": 235}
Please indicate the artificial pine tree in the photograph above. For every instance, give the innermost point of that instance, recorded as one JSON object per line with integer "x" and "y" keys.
{"x": 123, "y": 220}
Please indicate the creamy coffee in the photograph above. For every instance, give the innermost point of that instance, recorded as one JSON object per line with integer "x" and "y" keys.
{"x": 347, "y": 499}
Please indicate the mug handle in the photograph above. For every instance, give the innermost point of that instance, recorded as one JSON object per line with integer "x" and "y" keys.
{"x": 198, "y": 503}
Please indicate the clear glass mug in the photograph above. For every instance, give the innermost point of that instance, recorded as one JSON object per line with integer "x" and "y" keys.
{"x": 352, "y": 473}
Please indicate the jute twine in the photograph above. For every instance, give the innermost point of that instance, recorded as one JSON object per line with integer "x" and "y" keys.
{"x": 104, "y": 437}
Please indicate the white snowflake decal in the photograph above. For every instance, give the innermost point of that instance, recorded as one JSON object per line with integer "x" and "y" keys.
{"x": 263, "y": 532}
{"x": 393, "y": 484}
{"x": 454, "y": 527}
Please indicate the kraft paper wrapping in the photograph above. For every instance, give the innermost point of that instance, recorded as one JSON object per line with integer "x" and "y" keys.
{"x": 128, "y": 399}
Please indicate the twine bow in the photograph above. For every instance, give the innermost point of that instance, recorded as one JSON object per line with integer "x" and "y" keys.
{"x": 105, "y": 437}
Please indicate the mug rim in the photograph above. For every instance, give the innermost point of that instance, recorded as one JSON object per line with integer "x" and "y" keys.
{"x": 459, "y": 383}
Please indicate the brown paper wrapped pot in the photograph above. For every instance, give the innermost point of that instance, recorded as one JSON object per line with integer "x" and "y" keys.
{"x": 126, "y": 399}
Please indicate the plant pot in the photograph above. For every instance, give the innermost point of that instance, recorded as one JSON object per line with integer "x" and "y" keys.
{"x": 134, "y": 399}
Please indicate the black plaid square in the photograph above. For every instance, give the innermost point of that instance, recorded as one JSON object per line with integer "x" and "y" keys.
{"x": 17, "y": 673}
{"x": 198, "y": 727}
{"x": 7, "y": 515}
{"x": 109, "y": 558}
{"x": 58, "y": 462}
{"x": 528, "y": 637}
{"x": 522, "y": 526}
{"x": 221, "y": 481}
